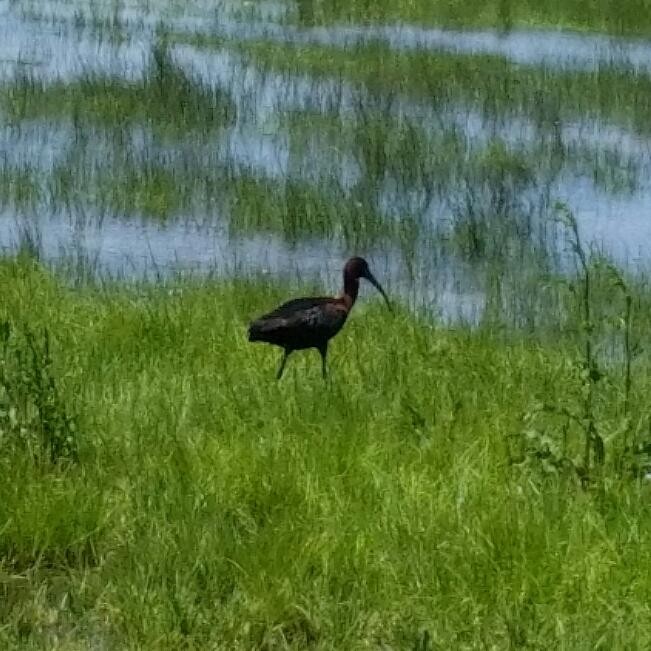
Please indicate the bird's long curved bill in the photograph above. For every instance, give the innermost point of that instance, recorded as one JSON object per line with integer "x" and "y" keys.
{"x": 371, "y": 279}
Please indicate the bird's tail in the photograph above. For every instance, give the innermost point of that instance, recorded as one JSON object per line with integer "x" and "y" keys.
{"x": 256, "y": 331}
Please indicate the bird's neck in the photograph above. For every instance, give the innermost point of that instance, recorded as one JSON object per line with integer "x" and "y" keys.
{"x": 351, "y": 287}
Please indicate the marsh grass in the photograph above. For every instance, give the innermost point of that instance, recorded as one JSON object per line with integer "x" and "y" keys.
{"x": 19, "y": 187}
{"x": 490, "y": 83}
{"x": 166, "y": 99}
{"x": 627, "y": 18}
{"x": 149, "y": 191}
{"x": 297, "y": 211}
{"x": 381, "y": 179}
{"x": 404, "y": 169}
{"x": 33, "y": 417}
{"x": 213, "y": 507}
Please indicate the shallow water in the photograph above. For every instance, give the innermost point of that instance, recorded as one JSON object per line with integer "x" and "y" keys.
{"x": 616, "y": 223}
{"x": 37, "y": 145}
{"x": 57, "y": 40}
{"x": 48, "y": 52}
{"x": 142, "y": 250}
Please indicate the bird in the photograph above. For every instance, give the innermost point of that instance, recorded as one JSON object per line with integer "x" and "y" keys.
{"x": 311, "y": 322}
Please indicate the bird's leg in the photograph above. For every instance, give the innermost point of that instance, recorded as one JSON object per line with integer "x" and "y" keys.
{"x": 282, "y": 365}
{"x": 324, "y": 352}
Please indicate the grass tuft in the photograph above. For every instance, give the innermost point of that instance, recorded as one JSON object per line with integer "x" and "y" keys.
{"x": 166, "y": 99}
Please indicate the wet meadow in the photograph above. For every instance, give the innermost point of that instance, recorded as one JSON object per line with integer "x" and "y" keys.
{"x": 474, "y": 473}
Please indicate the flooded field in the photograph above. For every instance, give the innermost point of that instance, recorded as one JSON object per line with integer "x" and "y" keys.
{"x": 443, "y": 162}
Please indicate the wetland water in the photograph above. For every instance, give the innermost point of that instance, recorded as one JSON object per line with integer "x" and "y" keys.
{"x": 135, "y": 195}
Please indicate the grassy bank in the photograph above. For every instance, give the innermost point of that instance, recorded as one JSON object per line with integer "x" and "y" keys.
{"x": 197, "y": 503}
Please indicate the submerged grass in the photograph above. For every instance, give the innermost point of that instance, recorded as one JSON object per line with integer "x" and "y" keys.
{"x": 489, "y": 83}
{"x": 295, "y": 210}
{"x": 166, "y": 99}
{"x": 19, "y": 187}
{"x": 403, "y": 501}
{"x": 363, "y": 175}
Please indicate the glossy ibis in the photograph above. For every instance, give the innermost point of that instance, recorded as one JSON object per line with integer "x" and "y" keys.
{"x": 311, "y": 322}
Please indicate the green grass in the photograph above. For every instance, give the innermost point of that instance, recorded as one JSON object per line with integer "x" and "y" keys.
{"x": 298, "y": 210}
{"x": 211, "y": 507}
{"x": 150, "y": 191}
{"x": 630, "y": 17}
{"x": 19, "y": 187}
{"x": 489, "y": 83}
{"x": 166, "y": 99}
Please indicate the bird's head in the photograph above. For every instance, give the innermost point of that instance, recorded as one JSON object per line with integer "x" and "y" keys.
{"x": 358, "y": 268}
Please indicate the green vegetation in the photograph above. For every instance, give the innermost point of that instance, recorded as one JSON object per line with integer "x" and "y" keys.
{"x": 363, "y": 180}
{"x": 488, "y": 83}
{"x": 461, "y": 488}
{"x": 295, "y": 209}
{"x": 626, "y": 18}
{"x": 19, "y": 187}
{"x": 426, "y": 492}
{"x": 165, "y": 99}
{"x": 630, "y": 17}
{"x": 149, "y": 191}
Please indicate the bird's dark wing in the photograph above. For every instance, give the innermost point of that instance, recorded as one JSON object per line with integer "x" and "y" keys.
{"x": 295, "y": 305}
{"x": 300, "y": 323}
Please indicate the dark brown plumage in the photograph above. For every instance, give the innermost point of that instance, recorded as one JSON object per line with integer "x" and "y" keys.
{"x": 311, "y": 322}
